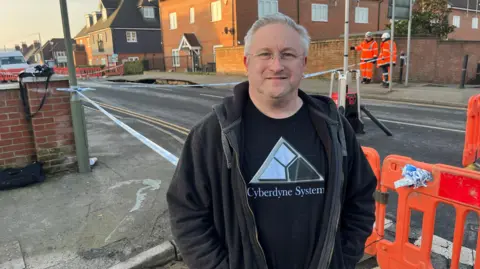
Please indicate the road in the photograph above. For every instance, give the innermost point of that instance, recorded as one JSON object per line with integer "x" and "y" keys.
{"x": 425, "y": 133}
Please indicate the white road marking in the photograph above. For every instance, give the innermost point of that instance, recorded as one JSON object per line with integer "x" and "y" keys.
{"x": 214, "y": 96}
{"x": 421, "y": 125}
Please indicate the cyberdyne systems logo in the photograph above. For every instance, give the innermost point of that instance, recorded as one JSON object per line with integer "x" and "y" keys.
{"x": 285, "y": 164}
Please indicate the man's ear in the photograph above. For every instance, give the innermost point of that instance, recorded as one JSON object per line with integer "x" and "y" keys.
{"x": 305, "y": 63}
{"x": 245, "y": 62}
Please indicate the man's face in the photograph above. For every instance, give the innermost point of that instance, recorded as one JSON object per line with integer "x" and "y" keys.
{"x": 369, "y": 38}
{"x": 275, "y": 61}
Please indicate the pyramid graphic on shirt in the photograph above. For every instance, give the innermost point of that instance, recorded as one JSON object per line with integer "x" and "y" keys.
{"x": 285, "y": 164}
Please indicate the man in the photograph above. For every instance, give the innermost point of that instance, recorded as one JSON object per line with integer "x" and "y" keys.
{"x": 272, "y": 178}
{"x": 384, "y": 58}
{"x": 368, "y": 56}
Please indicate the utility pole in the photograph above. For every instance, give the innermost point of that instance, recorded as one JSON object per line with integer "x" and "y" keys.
{"x": 343, "y": 79}
{"x": 390, "y": 75}
{"x": 409, "y": 41}
{"x": 41, "y": 51}
{"x": 78, "y": 114}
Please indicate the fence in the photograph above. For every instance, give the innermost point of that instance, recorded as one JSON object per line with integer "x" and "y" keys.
{"x": 457, "y": 187}
{"x": 471, "y": 150}
{"x": 204, "y": 63}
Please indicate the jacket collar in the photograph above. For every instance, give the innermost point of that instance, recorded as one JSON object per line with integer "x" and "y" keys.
{"x": 231, "y": 109}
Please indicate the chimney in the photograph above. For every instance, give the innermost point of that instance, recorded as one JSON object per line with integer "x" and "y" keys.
{"x": 36, "y": 44}
{"x": 17, "y": 47}
{"x": 24, "y": 47}
{"x": 88, "y": 20}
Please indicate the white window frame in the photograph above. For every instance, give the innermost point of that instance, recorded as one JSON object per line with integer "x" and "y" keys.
{"x": 267, "y": 7}
{"x": 361, "y": 14}
{"x": 456, "y": 21}
{"x": 320, "y": 12}
{"x": 131, "y": 36}
{"x": 192, "y": 15}
{"x": 132, "y": 59}
{"x": 216, "y": 11}
{"x": 175, "y": 57}
{"x": 149, "y": 13}
{"x": 103, "y": 61}
{"x": 215, "y": 51}
{"x": 60, "y": 53}
{"x": 475, "y": 23}
{"x": 173, "y": 20}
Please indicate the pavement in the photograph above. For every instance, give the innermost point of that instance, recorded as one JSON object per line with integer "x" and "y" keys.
{"x": 423, "y": 93}
{"x": 91, "y": 220}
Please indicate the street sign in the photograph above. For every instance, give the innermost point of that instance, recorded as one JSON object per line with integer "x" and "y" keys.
{"x": 402, "y": 9}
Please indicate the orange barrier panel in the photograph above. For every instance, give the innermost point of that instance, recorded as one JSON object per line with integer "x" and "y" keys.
{"x": 378, "y": 230}
{"x": 471, "y": 150}
{"x": 454, "y": 186}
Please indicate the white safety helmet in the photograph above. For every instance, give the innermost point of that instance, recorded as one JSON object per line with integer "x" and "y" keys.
{"x": 368, "y": 34}
{"x": 385, "y": 36}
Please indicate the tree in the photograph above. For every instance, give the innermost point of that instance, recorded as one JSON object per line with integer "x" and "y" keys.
{"x": 429, "y": 18}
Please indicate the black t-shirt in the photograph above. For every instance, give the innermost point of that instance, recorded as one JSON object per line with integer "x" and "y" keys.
{"x": 285, "y": 166}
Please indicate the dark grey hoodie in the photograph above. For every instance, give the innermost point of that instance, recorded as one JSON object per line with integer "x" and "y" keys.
{"x": 211, "y": 220}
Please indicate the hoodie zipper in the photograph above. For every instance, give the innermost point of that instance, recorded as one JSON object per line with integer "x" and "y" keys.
{"x": 250, "y": 209}
{"x": 331, "y": 234}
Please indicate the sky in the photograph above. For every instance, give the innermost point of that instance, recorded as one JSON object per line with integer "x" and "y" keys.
{"x": 22, "y": 20}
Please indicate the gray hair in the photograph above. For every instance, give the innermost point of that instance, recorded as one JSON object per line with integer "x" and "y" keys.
{"x": 277, "y": 18}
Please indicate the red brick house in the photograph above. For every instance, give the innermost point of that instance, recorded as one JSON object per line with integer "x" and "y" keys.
{"x": 193, "y": 29}
{"x": 464, "y": 17}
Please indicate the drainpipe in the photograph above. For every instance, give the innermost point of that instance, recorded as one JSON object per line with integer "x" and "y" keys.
{"x": 378, "y": 18}
{"x": 233, "y": 24}
{"x": 298, "y": 11}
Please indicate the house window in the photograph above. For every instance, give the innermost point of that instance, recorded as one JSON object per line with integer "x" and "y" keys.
{"x": 61, "y": 54}
{"x": 474, "y": 23}
{"x": 173, "y": 20}
{"x": 133, "y": 59}
{"x": 104, "y": 62}
{"x": 319, "y": 12}
{"x": 267, "y": 7}
{"x": 456, "y": 21}
{"x": 215, "y": 52}
{"x": 192, "y": 15}
{"x": 175, "y": 57}
{"x": 361, "y": 15}
{"x": 216, "y": 10}
{"x": 148, "y": 13}
{"x": 131, "y": 37}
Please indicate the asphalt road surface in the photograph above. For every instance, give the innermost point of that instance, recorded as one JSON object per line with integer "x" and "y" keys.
{"x": 429, "y": 134}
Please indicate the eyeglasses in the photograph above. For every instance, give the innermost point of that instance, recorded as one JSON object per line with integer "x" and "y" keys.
{"x": 284, "y": 56}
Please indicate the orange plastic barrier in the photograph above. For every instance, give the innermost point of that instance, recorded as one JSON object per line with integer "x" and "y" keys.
{"x": 454, "y": 186}
{"x": 471, "y": 150}
{"x": 378, "y": 230}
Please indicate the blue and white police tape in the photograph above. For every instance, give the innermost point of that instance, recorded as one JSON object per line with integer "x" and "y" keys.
{"x": 413, "y": 176}
{"x": 164, "y": 153}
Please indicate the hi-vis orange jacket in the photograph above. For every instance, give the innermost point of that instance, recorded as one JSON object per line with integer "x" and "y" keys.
{"x": 369, "y": 50}
{"x": 384, "y": 57}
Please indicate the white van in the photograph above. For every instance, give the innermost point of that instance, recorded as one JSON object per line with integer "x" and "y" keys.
{"x": 12, "y": 60}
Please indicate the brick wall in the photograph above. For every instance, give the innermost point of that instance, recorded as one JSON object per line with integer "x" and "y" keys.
{"x": 432, "y": 60}
{"x": 48, "y": 137}
{"x": 16, "y": 138}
